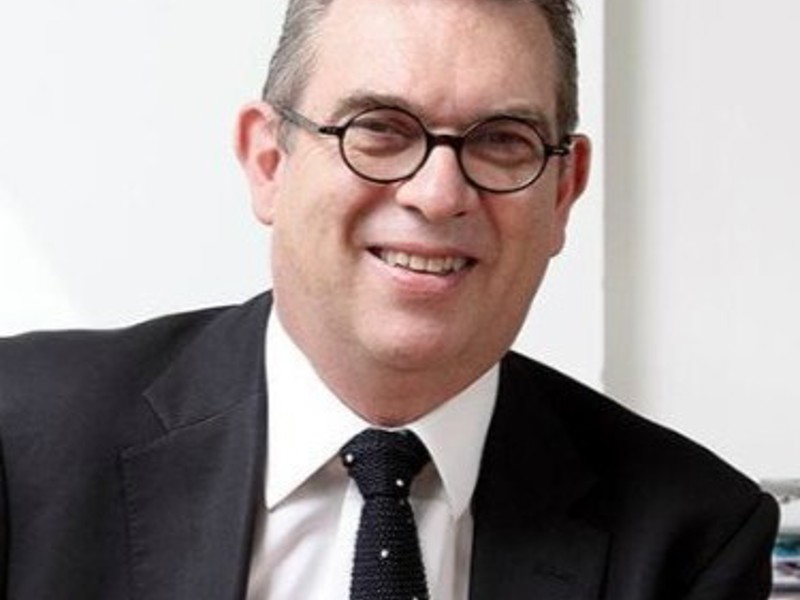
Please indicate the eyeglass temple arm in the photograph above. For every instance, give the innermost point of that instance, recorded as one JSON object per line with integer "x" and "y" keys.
{"x": 562, "y": 149}
{"x": 297, "y": 119}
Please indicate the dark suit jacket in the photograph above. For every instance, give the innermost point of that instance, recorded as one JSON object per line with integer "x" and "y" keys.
{"x": 133, "y": 461}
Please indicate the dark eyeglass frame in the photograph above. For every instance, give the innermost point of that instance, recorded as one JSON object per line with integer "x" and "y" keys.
{"x": 456, "y": 142}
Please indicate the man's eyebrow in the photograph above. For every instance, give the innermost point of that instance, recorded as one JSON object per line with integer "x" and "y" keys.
{"x": 364, "y": 100}
{"x": 533, "y": 116}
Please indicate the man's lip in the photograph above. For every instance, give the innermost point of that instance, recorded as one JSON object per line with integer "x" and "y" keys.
{"x": 428, "y": 261}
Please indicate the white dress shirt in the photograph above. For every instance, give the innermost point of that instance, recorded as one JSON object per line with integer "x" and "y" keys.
{"x": 305, "y": 535}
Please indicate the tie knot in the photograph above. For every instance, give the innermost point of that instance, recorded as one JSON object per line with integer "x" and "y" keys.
{"x": 384, "y": 463}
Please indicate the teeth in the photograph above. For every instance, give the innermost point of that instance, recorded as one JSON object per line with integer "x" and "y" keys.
{"x": 401, "y": 259}
{"x": 423, "y": 264}
{"x": 435, "y": 265}
{"x": 418, "y": 263}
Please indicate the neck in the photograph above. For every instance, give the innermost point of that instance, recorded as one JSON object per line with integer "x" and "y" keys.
{"x": 388, "y": 397}
{"x": 380, "y": 391}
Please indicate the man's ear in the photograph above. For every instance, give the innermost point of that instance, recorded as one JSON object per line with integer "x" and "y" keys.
{"x": 573, "y": 177}
{"x": 261, "y": 157}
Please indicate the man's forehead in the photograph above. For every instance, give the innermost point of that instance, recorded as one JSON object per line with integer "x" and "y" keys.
{"x": 430, "y": 55}
{"x": 427, "y": 18}
{"x": 484, "y": 13}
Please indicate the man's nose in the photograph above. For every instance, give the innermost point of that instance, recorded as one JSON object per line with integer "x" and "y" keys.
{"x": 439, "y": 190}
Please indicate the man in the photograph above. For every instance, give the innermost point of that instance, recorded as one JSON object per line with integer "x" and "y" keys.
{"x": 417, "y": 163}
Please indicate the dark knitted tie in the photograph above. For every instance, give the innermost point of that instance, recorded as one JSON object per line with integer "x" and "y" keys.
{"x": 388, "y": 562}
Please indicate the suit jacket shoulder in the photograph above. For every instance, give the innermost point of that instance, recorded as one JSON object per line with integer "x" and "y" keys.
{"x": 42, "y": 365}
{"x": 85, "y": 385}
{"x": 626, "y": 507}
{"x": 107, "y": 440}
{"x": 622, "y": 445}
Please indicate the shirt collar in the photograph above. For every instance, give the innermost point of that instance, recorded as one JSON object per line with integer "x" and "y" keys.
{"x": 307, "y": 425}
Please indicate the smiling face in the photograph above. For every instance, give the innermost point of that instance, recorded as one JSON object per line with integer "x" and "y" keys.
{"x": 413, "y": 289}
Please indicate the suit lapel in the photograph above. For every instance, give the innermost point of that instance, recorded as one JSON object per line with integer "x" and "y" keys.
{"x": 526, "y": 543}
{"x": 191, "y": 496}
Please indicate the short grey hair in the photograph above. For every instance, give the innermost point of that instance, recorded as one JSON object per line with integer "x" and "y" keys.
{"x": 293, "y": 61}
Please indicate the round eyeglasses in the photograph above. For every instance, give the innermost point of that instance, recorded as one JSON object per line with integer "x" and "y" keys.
{"x": 502, "y": 154}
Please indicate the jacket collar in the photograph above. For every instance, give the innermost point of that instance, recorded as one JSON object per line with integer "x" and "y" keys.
{"x": 220, "y": 367}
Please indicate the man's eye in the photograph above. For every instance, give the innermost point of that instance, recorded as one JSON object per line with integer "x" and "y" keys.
{"x": 381, "y": 127}
{"x": 379, "y": 136}
{"x": 502, "y": 140}
{"x": 503, "y": 145}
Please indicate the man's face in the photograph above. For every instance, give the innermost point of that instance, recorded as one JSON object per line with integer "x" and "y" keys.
{"x": 451, "y": 62}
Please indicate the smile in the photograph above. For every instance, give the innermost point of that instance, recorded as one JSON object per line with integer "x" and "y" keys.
{"x": 436, "y": 265}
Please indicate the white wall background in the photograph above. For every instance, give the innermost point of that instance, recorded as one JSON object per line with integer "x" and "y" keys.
{"x": 120, "y": 197}
{"x": 702, "y": 219}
